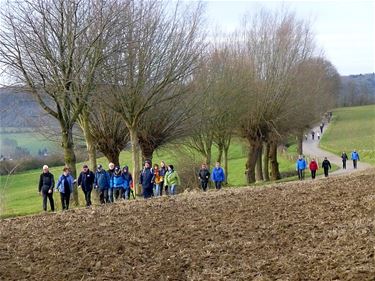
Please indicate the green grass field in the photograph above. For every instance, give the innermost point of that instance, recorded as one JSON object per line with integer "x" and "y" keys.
{"x": 352, "y": 128}
{"x": 19, "y": 195}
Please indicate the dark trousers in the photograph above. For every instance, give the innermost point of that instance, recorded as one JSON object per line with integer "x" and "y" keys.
{"x": 344, "y": 164}
{"x": 313, "y": 174}
{"x": 301, "y": 174}
{"x": 148, "y": 192}
{"x": 326, "y": 172}
{"x": 87, "y": 193}
{"x": 103, "y": 196}
{"x": 65, "y": 197}
{"x": 50, "y": 198}
{"x": 161, "y": 188}
{"x": 118, "y": 192}
{"x": 204, "y": 185}
{"x": 218, "y": 184}
{"x": 355, "y": 164}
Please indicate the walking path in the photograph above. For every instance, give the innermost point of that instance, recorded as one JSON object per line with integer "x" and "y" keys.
{"x": 311, "y": 148}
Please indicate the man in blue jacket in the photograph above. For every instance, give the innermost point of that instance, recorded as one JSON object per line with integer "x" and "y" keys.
{"x": 355, "y": 158}
{"x": 300, "y": 167}
{"x": 85, "y": 181}
{"x": 218, "y": 175}
{"x": 102, "y": 184}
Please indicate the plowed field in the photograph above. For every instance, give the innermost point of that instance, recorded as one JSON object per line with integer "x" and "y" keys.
{"x": 322, "y": 230}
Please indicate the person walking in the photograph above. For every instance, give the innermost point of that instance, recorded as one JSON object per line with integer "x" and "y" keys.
{"x": 117, "y": 183}
{"x": 312, "y": 135}
{"x": 313, "y": 168}
{"x": 102, "y": 182}
{"x": 146, "y": 180}
{"x": 204, "y": 177}
{"x": 110, "y": 172}
{"x": 46, "y": 185}
{"x": 344, "y": 157}
{"x": 128, "y": 182}
{"x": 172, "y": 180}
{"x": 157, "y": 180}
{"x": 85, "y": 182}
{"x": 163, "y": 170}
{"x": 300, "y": 167}
{"x": 318, "y": 135}
{"x": 355, "y": 158}
{"x": 218, "y": 175}
{"x": 326, "y": 165}
{"x": 321, "y": 127}
{"x": 65, "y": 187}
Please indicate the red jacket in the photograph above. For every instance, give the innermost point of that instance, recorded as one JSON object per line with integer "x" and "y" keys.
{"x": 313, "y": 166}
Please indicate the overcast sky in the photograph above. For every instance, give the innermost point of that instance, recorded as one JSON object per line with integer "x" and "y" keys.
{"x": 344, "y": 29}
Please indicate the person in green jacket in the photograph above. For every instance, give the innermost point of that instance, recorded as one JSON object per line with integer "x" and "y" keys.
{"x": 172, "y": 180}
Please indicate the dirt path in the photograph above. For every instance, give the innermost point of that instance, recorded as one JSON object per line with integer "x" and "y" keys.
{"x": 311, "y": 148}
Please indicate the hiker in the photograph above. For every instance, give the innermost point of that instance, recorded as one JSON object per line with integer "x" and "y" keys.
{"x": 102, "y": 182}
{"x": 344, "y": 157}
{"x": 204, "y": 177}
{"x": 312, "y": 135}
{"x": 321, "y": 127}
{"x": 163, "y": 170}
{"x": 65, "y": 187}
{"x": 128, "y": 182}
{"x": 110, "y": 172}
{"x": 355, "y": 158}
{"x": 326, "y": 165}
{"x": 306, "y": 137}
{"x": 157, "y": 180}
{"x": 217, "y": 175}
{"x": 313, "y": 168}
{"x": 172, "y": 180}
{"x": 146, "y": 180}
{"x": 300, "y": 167}
{"x": 117, "y": 183}
{"x": 46, "y": 185}
{"x": 86, "y": 181}
{"x": 318, "y": 135}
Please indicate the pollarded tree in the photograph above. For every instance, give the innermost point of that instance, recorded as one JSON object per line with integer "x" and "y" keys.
{"x": 158, "y": 52}
{"x": 54, "y": 49}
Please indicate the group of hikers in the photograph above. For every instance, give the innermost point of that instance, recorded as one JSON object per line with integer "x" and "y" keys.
{"x": 117, "y": 184}
{"x": 301, "y": 165}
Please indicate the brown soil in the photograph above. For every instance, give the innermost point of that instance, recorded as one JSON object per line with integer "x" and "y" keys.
{"x": 323, "y": 230}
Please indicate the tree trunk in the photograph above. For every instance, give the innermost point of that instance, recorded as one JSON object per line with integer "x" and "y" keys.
{"x": 251, "y": 161}
{"x": 135, "y": 159}
{"x": 226, "y": 150}
{"x": 266, "y": 158}
{"x": 258, "y": 167}
{"x": 208, "y": 157}
{"x": 113, "y": 157}
{"x": 275, "y": 173}
{"x": 220, "y": 152}
{"x": 147, "y": 151}
{"x": 91, "y": 150}
{"x": 299, "y": 144}
{"x": 70, "y": 158}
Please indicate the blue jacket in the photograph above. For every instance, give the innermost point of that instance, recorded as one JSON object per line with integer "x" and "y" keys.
{"x": 102, "y": 179}
{"x": 218, "y": 174}
{"x": 61, "y": 181}
{"x": 301, "y": 164}
{"x": 128, "y": 179}
{"x": 146, "y": 179}
{"x": 355, "y": 155}
{"x": 117, "y": 181}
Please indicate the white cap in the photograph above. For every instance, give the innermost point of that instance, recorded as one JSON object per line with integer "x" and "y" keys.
{"x": 45, "y": 167}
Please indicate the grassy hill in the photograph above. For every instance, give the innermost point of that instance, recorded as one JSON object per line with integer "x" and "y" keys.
{"x": 352, "y": 128}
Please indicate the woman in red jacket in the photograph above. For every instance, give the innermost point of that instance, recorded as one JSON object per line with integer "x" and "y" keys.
{"x": 313, "y": 167}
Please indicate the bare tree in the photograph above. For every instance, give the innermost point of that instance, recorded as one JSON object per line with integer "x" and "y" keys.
{"x": 54, "y": 49}
{"x": 160, "y": 50}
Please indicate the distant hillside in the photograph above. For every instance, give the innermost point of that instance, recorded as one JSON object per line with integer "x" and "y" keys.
{"x": 357, "y": 90}
{"x": 18, "y": 110}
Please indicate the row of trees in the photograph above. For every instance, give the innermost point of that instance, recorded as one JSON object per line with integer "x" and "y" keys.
{"x": 142, "y": 73}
